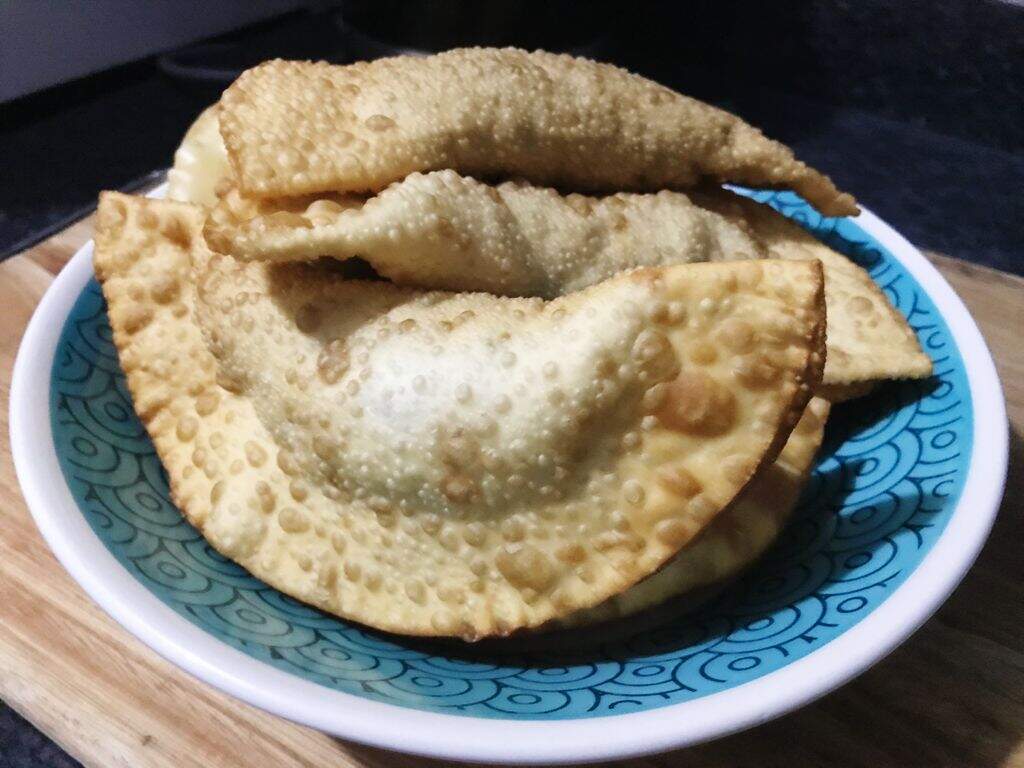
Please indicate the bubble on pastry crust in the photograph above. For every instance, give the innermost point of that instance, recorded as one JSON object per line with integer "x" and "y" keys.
{"x": 674, "y": 531}
{"x": 696, "y": 402}
{"x": 187, "y": 428}
{"x": 379, "y": 123}
{"x": 525, "y": 566}
{"x": 207, "y": 402}
{"x": 265, "y": 497}
{"x": 292, "y": 520}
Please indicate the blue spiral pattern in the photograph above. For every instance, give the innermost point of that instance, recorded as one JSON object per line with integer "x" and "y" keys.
{"x": 890, "y": 474}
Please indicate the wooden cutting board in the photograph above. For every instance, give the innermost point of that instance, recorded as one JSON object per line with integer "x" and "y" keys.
{"x": 952, "y": 695}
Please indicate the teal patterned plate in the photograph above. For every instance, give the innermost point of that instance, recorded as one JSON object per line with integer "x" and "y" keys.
{"x": 899, "y": 503}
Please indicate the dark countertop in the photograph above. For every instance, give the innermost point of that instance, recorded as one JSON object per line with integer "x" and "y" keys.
{"x": 22, "y": 746}
{"x": 915, "y": 108}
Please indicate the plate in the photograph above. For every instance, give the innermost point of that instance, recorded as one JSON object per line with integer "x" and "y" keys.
{"x": 899, "y": 504}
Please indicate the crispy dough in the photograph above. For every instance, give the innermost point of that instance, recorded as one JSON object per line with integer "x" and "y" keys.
{"x": 508, "y": 451}
{"x": 868, "y": 339}
{"x": 443, "y": 230}
{"x": 200, "y": 162}
{"x": 450, "y": 562}
{"x": 735, "y": 538}
{"x": 294, "y": 128}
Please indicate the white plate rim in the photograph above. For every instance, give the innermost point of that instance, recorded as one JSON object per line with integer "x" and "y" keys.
{"x": 509, "y": 741}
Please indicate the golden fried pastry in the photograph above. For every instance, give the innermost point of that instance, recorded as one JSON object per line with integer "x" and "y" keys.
{"x": 442, "y": 230}
{"x": 443, "y": 464}
{"x": 294, "y": 128}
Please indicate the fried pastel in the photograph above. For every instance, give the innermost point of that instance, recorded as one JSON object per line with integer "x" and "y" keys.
{"x": 200, "y": 162}
{"x": 293, "y": 128}
{"x": 737, "y": 537}
{"x": 501, "y": 462}
{"x": 390, "y": 487}
{"x": 443, "y": 230}
{"x": 868, "y": 339}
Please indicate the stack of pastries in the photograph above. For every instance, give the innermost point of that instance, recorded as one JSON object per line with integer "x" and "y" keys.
{"x": 477, "y": 343}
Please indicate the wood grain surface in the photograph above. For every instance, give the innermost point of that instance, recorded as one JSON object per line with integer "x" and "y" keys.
{"x": 951, "y": 695}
